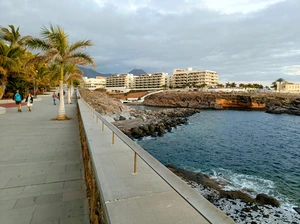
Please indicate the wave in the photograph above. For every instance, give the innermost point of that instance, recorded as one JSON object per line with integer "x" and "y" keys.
{"x": 249, "y": 184}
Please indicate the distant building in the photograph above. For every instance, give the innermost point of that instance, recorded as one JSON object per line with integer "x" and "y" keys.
{"x": 94, "y": 83}
{"x": 120, "y": 80}
{"x": 182, "y": 77}
{"x": 288, "y": 87}
{"x": 151, "y": 81}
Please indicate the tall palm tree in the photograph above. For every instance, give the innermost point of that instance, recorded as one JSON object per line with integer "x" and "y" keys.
{"x": 13, "y": 36}
{"x": 280, "y": 80}
{"x": 73, "y": 73}
{"x": 10, "y": 62}
{"x": 57, "y": 48}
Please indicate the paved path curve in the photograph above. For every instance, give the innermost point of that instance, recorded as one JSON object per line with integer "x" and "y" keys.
{"x": 41, "y": 170}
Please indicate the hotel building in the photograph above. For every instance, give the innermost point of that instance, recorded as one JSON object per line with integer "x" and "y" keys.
{"x": 182, "y": 77}
{"x": 120, "y": 80}
{"x": 94, "y": 83}
{"x": 151, "y": 81}
{"x": 288, "y": 87}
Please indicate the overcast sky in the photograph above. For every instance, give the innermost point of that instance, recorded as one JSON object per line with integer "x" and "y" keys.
{"x": 243, "y": 40}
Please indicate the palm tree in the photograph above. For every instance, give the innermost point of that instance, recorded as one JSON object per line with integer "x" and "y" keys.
{"x": 13, "y": 36}
{"x": 73, "y": 73}
{"x": 10, "y": 63}
{"x": 57, "y": 49}
{"x": 280, "y": 80}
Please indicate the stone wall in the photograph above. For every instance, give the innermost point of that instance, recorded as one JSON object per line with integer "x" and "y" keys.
{"x": 96, "y": 211}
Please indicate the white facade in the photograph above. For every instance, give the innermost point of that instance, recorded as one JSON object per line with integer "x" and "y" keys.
{"x": 182, "y": 77}
{"x": 288, "y": 87}
{"x": 94, "y": 83}
{"x": 151, "y": 81}
{"x": 120, "y": 80}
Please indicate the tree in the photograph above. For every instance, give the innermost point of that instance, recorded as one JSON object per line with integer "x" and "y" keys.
{"x": 10, "y": 63}
{"x": 73, "y": 73}
{"x": 12, "y": 36}
{"x": 57, "y": 49}
{"x": 280, "y": 80}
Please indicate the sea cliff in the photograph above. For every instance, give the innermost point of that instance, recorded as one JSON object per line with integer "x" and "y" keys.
{"x": 273, "y": 103}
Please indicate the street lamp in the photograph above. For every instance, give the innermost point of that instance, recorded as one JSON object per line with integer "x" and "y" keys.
{"x": 34, "y": 86}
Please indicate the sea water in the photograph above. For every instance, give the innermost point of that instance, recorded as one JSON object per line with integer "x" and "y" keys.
{"x": 251, "y": 151}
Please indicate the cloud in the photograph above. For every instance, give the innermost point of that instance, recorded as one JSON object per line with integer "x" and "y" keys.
{"x": 240, "y": 39}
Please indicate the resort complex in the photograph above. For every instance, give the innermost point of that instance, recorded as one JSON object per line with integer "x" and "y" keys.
{"x": 181, "y": 78}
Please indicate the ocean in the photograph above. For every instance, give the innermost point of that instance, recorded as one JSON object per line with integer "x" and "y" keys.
{"x": 253, "y": 151}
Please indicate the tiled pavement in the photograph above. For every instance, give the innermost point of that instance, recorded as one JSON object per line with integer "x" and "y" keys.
{"x": 41, "y": 170}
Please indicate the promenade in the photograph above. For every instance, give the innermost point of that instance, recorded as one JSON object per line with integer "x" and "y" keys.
{"x": 41, "y": 170}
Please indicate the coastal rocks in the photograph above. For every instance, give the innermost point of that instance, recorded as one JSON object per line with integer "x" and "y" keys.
{"x": 207, "y": 182}
{"x": 103, "y": 103}
{"x": 156, "y": 123}
{"x": 272, "y": 102}
{"x": 292, "y": 107}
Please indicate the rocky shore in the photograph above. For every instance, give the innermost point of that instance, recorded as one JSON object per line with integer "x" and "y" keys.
{"x": 277, "y": 107}
{"x": 241, "y": 207}
{"x": 137, "y": 123}
{"x": 270, "y": 102}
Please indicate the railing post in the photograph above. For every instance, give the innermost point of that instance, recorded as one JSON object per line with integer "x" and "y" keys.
{"x": 134, "y": 163}
{"x": 102, "y": 126}
{"x": 113, "y": 138}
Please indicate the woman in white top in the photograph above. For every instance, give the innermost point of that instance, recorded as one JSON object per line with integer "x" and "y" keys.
{"x": 29, "y": 100}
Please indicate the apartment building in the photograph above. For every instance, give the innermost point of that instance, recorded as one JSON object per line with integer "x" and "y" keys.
{"x": 120, "y": 80}
{"x": 151, "y": 81}
{"x": 288, "y": 87}
{"x": 182, "y": 77}
{"x": 94, "y": 83}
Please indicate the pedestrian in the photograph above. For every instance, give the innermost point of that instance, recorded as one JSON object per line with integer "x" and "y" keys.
{"x": 54, "y": 97}
{"x": 18, "y": 98}
{"x": 29, "y": 100}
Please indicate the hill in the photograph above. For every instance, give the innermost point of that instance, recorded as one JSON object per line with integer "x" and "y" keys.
{"x": 91, "y": 73}
{"x": 137, "y": 72}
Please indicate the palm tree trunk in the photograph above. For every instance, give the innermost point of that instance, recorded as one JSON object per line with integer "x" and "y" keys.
{"x": 61, "y": 110}
{"x": 69, "y": 93}
{"x": 2, "y": 90}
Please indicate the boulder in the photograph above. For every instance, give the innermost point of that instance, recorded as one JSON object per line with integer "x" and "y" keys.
{"x": 266, "y": 200}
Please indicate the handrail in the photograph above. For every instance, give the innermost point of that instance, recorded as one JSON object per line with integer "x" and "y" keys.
{"x": 188, "y": 194}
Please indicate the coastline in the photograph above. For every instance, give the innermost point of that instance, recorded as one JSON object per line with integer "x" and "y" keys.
{"x": 240, "y": 211}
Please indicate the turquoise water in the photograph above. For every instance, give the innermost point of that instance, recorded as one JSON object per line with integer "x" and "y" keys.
{"x": 253, "y": 151}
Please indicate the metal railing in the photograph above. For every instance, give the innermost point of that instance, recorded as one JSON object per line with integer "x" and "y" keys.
{"x": 198, "y": 202}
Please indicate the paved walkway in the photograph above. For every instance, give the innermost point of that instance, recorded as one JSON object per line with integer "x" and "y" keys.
{"x": 41, "y": 170}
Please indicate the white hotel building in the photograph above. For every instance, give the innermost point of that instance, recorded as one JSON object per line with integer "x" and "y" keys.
{"x": 151, "y": 81}
{"x": 288, "y": 87}
{"x": 94, "y": 83}
{"x": 182, "y": 77}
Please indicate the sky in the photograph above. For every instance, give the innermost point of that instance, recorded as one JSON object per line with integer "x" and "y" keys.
{"x": 245, "y": 41}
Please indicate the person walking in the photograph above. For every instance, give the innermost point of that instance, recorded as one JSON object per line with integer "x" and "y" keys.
{"x": 54, "y": 97}
{"x": 18, "y": 99}
{"x": 29, "y": 100}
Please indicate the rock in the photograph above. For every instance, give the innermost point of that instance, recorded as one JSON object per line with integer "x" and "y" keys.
{"x": 267, "y": 200}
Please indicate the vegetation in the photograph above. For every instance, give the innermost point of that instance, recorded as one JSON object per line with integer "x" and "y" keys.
{"x": 54, "y": 64}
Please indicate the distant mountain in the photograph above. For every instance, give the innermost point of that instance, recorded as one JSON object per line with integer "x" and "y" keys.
{"x": 137, "y": 72}
{"x": 91, "y": 73}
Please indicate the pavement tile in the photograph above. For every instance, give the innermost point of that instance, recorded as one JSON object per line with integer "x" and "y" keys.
{"x": 39, "y": 200}
{"x": 43, "y": 187}
{"x": 24, "y": 181}
{"x": 7, "y": 205}
{"x": 11, "y": 191}
{"x": 73, "y": 195}
{"x": 85, "y": 219}
{"x": 15, "y": 219}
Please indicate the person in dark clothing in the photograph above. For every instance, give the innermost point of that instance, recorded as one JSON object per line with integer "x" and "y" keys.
{"x": 18, "y": 99}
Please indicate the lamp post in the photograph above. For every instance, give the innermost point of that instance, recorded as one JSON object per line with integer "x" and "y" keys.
{"x": 34, "y": 86}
